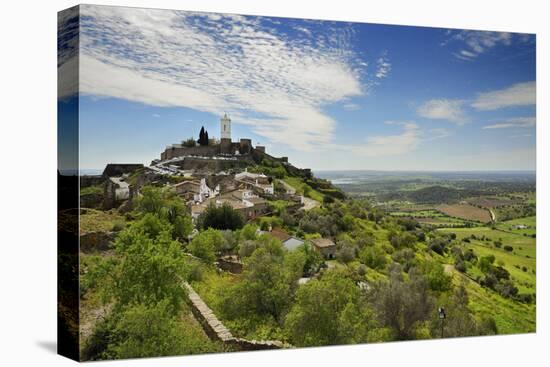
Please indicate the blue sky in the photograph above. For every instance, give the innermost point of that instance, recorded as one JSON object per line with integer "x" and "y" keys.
{"x": 329, "y": 95}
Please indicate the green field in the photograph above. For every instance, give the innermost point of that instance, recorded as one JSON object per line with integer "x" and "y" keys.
{"x": 523, "y": 246}
{"x": 510, "y": 316}
{"x": 530, "y": 222}
{"x": 520, "y": 263}
{"x": 429, "y": 217}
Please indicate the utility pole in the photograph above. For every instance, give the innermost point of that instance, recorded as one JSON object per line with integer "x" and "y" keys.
{"x": 442, "y": 316}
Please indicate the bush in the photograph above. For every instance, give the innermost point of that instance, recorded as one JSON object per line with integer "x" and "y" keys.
{"x": 461, "y": 266}
{"x": 246, "y": 248}
{"x": 223, "y": 217}
{"x": 437, "y": 279}
{"x": 525, "y": 298}
{"x": 507, "y": 289}
{"x": 189, "y": 143}
{"x": 488, "y": 326}
{"x": 508, "y": 248}
{"x": 374, "y": 257}
{"x": 346, "y": 253}
{"x": 362, "y": 270}
{"x": 405, "y": 257}
{"x": 206, "y": 244}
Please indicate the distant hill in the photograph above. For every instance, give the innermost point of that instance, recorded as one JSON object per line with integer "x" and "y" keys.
{"x": 431, "y": 194}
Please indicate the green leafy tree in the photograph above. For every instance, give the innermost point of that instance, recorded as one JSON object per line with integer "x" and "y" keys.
{"x": 223, "y": 217}
{"x": 148, "y": 332}
{"x": 166, "y": 205}
{"x": 437, "y": 279}
{"x": 248, "y": 232}
{"x": 374, "y": 257}
{"x": 267, "y": 284}
{"x": 206, "y": 244}
{"x": 403, "y": 305}
{"x": 313, "y": 259}
{"x": 328, "y": 311}
{"x": 150, "y": 266}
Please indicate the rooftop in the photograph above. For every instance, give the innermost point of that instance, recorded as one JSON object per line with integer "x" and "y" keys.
{"x": 323, "y": 242}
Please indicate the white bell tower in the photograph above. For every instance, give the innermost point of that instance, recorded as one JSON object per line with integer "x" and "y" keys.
{"x": 225, "y": 127}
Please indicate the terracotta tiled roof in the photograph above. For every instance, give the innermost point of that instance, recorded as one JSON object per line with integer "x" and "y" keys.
{"x": 323, "y": 242}
{"x": 280, "y": 235}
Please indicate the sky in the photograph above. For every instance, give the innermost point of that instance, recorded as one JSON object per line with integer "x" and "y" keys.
{"x": 329, "y": 95}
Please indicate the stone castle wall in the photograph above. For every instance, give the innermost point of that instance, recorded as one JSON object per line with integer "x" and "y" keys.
{"x": 226, "y": 146}
{"x": 211, "y": 165}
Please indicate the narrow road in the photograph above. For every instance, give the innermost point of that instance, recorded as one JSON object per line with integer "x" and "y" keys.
{"x": 493, "y": 216}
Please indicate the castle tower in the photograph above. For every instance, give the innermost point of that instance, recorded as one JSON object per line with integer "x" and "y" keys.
{"x": 225, "y": 127}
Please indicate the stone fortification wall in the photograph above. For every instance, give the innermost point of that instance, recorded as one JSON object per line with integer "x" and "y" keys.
{"x": 203, "y": 151}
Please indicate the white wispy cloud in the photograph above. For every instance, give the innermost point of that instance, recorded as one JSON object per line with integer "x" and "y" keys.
{"x": 522, "y": 122}
{"x": 520, "y": 94}
{"x": 434, "y": 134}
{"x": 386, "y": 145}
{"x": 475, "y": 43}
{"x": 383, "y": 67}
{"x": 351, "y": 107}
{"x": 443, "y": 109}
{"x": 67, "y": 53}
{"x": 215, "y": 62}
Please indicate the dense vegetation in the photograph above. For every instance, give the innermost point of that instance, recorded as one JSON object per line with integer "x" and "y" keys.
{"x": 390, "y": 275}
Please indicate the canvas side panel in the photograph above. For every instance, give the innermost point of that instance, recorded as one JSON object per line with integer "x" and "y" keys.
{"x": 67, "y": 184}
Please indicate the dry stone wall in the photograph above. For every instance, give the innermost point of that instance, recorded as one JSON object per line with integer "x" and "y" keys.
{"x": 215, "y": 329}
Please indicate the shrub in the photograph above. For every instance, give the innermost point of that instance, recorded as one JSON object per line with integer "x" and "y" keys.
{"x": 206, "y": 244}
{"x": 506, "y": 288}
{"x": 223, "y": 217}
{"x": 362, "y": 270}
{"x": 190, "y": 142}
{"x": 405, "y": 257}
{"x": 508, "y": 248}
{"x": 346, "y": 253}
{"x": 374, "y": 257}
{"x": 437, "y": 279}
{"x": 246, "y": 248}
{"x": 461, "y": 266}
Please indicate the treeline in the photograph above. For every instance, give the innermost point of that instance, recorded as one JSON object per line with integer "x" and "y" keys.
{"x": 431, "y": 195}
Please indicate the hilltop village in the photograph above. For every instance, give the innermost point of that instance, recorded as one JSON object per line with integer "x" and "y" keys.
{"x": 208, "y": 172}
